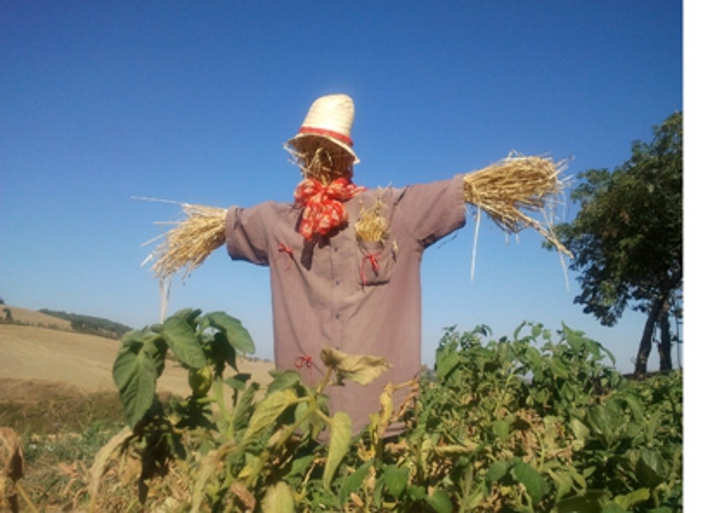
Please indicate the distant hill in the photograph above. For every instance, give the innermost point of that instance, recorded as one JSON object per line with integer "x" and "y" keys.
{"x": 89, "y": 324}
{"x": 45, "y": 318}
{"x": 32, "y": 318}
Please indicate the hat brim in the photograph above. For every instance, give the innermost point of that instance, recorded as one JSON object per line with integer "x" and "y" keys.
{"x": 305, "y": 140}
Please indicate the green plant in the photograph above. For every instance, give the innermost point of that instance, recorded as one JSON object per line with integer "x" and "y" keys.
{"x": 233, "y": 452}
{"x": 539, "y": 422}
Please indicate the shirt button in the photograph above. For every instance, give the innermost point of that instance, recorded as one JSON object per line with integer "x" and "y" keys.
{"x": 335, "y": 248}
{"x": 337, "y": 282}
{"x": 337, "y": 316}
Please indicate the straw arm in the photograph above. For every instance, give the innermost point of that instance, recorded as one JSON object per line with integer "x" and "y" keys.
{"x": 503, "y": 190}
{"x": 188, "y": 244}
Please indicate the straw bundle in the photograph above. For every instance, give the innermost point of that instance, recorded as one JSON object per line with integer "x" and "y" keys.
{"x": 517, "y": 182}
{"x": 372, "y": 226}
{"x": 190, "y": 242}
{"x": 321, "y": 159}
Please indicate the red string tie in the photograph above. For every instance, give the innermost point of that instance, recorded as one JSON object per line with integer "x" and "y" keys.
{"x": 308, "y": 362}
{"x": 283, "y": 248}
{"x": 304, "y": 360}
{"x": 374, "y": 260}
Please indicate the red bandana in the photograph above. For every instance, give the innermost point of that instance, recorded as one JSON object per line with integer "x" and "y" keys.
{"x": 324, "y": 208}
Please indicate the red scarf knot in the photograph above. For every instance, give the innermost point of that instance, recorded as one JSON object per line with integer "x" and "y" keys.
{"x": 323, "y": 205}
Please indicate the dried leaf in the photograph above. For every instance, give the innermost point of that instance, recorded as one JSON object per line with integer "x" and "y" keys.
{"x": 210, "y": 463}
{"x": 278, "y": 499}
{"x": 12, "y": 458}
{"x": 361, "y": 369}
{"x": 103, "y": 459}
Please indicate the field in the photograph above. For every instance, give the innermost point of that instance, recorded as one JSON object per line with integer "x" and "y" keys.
{"x": 537, "y": 422}
{"x": 73, "y": 361}
{"x": 57, "y": 392}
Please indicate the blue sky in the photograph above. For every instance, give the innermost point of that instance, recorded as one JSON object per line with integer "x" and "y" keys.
{"x": 192, "y": 101}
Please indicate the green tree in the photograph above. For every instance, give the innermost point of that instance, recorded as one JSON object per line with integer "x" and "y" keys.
{"x": 627, "y": 238}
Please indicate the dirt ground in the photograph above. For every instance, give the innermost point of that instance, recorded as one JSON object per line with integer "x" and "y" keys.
{"x": 33, "y": 357}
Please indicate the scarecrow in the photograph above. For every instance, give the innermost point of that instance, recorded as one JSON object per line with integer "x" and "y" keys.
{"x": 345, "y": 260}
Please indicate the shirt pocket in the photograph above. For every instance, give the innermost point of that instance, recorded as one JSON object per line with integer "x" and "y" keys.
{"x": 377, "y": 261}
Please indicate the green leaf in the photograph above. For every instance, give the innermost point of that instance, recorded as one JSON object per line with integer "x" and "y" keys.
{"x": 417, "y": 492}
{"x": 237, "y": 335}
{"x": 245, "y": 407}
{"x": 283, "y": 380}
{"x": 635, "y": 407}
{"x": 533, "y": 356}
{"x": 575, "y": 339}
{"x": 516, "y": 332}
{"x": 184, "y": 342}
{"x": 590, "y": 502}
{"x": 581, "y": 432}
{"x": 497, "y": 470}
{"x": 447, "y": 363}
{"x": 222, "y": 351}
{"x": 501, "y": 428}
{"x": 559, "y": 369}
{"x": 612, "y": 507}
{"x": 564, "y": 482}
{"x": 189, "y": 315}
{"x": 650, "y": 468}
{"x": 238, "y": 382}
{"x": 532, "y": 480}
{"x": 299, "y": 466}
{"x": 630, "y": 499}
{"x": 267, "y": 411}
{"x": 353, "y": 482}
{"x": 440, "y": 502}
{"x": 135, "y": 374}
{"x": 340, "y": 433}
{"x": 396, "y": 479}
{"x": 601, "y": 425}
{"x": 278, "y": 499}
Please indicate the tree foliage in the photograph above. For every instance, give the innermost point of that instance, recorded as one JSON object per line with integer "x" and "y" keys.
{"x": 627, "y": 238}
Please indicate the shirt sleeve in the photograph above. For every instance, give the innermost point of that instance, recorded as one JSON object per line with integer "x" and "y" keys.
{"x": 245, "y": 233}
{"x": 432, "y": 211}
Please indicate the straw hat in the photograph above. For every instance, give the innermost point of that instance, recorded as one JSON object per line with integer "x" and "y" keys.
{"x": 330, "y": 118}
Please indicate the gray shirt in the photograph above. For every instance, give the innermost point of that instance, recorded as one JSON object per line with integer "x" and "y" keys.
{"x": 361, "y": 298}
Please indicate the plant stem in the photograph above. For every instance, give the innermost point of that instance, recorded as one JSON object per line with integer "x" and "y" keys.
{"x": 218, "y": 387}
{"x": 324, "y": 380}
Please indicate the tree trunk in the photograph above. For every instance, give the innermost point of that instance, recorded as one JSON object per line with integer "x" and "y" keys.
{"x": 659, "y": 304}
{"x": 646, "y": 343}
{"x": 664, "y": 348}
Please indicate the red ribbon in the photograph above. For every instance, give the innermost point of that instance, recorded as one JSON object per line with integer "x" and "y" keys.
{"x": 374, "y": 260}
{"x": 283, "y": 248}
{"x": 323, "y": 205}
{"x": 329, "y": 133}
{"x": 306, "y": 360}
